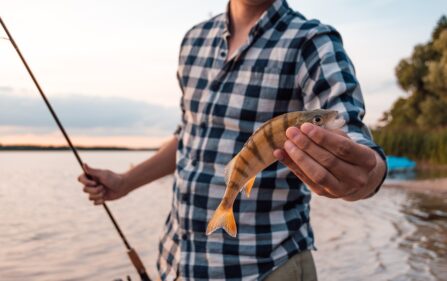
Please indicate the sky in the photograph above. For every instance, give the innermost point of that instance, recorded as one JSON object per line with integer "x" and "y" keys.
{"x": 109, "y": 66}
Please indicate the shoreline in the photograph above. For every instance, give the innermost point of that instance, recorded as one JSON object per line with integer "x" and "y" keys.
{"x": 67, "y": 148}
{"x": 431, "y": 186}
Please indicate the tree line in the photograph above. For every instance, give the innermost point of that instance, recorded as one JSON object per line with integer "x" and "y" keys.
{"x": 416, "y": 124}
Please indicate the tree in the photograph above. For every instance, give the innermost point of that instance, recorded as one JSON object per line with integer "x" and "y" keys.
{"x": 424, "y": 77}
{"x": 436, "y": 79}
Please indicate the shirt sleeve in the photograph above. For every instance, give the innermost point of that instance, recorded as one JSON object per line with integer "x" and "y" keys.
{"x": 181, "y": 125}
{"x": 327, "y": 80}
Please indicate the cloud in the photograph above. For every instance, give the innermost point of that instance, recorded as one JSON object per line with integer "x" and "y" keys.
{"x": 85, "y": 114}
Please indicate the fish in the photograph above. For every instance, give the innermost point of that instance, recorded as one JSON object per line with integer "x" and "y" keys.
{"x": 257, "y": 154}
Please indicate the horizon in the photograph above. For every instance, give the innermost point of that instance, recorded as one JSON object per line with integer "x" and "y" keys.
{"x": 119, "y": 72}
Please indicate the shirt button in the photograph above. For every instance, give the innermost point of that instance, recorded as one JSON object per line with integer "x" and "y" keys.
{"x": 184, "y": 236}
{"x": 223, "y": 54}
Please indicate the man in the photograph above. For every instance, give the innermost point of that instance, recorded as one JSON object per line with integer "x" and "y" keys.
{"x": 237, "y": 70}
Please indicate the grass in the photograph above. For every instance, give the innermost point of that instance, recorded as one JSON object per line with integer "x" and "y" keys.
{"x": 428, "y": 146}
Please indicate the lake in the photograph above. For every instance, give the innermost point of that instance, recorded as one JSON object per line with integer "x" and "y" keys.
{"x": 50, "y": 231}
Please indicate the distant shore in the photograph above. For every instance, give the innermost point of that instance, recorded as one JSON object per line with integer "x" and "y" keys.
{"x": 63, "y": 148}
{"x": 434, "y": 186}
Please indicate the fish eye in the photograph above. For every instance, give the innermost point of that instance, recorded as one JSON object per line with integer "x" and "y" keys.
{"x": 317, "y": 120}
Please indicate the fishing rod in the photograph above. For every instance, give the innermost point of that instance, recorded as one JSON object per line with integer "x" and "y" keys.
{"x": 133, "y": 256}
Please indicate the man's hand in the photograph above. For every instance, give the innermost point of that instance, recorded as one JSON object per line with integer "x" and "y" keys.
{"x": 330, "y": 163}
{"x": 105, "y": 185}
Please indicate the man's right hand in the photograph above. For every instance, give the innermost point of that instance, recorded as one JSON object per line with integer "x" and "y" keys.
{"x": 104, "y": 185}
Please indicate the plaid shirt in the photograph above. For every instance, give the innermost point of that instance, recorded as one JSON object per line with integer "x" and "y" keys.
{"x": 288, "y": 63}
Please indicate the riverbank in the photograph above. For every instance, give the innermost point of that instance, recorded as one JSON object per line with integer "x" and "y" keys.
{"x": 437, "y": 186}
{"x": 65, "y": 148}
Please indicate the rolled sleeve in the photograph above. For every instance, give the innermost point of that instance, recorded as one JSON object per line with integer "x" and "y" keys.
{"x": 327, "y": 80}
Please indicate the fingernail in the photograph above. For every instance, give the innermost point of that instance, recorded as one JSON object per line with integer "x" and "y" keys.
{"x": 306, "y": 128}
{"x": 292, "y": 132}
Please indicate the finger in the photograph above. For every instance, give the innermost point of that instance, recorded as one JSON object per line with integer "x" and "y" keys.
{"x": 98, "y": 202}
{"x": 93, "y": 173}
{"x": 313, "y": 170}
{"x": 338, "y": 167}
{"x": 93, "y": 190}
{"x": 86, "y": 181}
{"x": 340, "y": 132}
{"x": 357, "y": 195}
{"x": 96, "y": 197}
{"x": 341, "y": 146}
{"x": 285, "y": 159}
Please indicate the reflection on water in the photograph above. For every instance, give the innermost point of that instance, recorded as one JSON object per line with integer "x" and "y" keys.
{"x": 428, "y": 242}
{"x": 394, "y": 236}
{"x": 50, "y": 232}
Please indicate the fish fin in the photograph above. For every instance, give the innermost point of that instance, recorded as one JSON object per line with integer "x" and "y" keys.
{"x": 248, "y": 186}
{"x": 229, "y": 170}
{"x": 222, "y": 218}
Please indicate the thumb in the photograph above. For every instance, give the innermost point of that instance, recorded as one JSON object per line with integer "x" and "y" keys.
{"x": 341, "y": 133}
{"x": 95, "y": 173}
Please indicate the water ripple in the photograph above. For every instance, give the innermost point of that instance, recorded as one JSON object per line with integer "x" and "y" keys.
{"x": 50, "y": 231}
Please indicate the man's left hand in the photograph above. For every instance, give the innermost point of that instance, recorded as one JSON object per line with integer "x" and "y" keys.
{"x": 330, "y": 163}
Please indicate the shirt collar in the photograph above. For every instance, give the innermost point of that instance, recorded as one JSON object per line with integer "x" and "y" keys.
{"x": 268, "y": 19}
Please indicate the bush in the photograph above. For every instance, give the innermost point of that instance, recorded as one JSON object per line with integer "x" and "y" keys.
{"x": 418, "y": 144}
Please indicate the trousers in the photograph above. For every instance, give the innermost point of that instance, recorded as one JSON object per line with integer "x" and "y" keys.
{"x": 300, "y": 267}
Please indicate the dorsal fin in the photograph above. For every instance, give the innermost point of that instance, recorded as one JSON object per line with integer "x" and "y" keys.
{"x": 229, "y": 170}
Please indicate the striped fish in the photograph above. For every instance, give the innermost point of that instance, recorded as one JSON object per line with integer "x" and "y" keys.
{"x": 257, "y": 154}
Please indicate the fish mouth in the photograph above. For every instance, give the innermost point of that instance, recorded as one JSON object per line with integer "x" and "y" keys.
{"x": 335, "y": 121}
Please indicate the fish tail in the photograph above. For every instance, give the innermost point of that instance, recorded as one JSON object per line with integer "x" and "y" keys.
{"x": 222, "y": 218}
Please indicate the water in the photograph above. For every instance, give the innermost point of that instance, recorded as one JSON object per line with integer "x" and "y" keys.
{"x": 49, "y": 231}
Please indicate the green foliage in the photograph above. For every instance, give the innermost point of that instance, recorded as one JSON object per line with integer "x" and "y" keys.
{"x": 416, "y": 125}
{"x": 420, "y": 144}
{"x": 424, "y": 77}
{"x": 436, "y": 79}
{"x": 440, "y": 26}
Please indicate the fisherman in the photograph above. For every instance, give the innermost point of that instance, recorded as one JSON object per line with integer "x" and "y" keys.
{"x": 237, "y": 70}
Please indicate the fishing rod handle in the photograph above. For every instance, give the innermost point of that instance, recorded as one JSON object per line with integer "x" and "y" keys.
{"x": 138, "y": 264}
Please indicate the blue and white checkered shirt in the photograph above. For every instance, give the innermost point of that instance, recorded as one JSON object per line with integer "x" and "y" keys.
{"x": 287, "y": 64}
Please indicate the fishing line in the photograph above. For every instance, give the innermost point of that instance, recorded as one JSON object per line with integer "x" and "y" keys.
{"x": 133, "y": 256}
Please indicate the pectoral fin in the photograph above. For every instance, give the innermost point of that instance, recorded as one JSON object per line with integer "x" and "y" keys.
{"x": 248, "y": 186}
